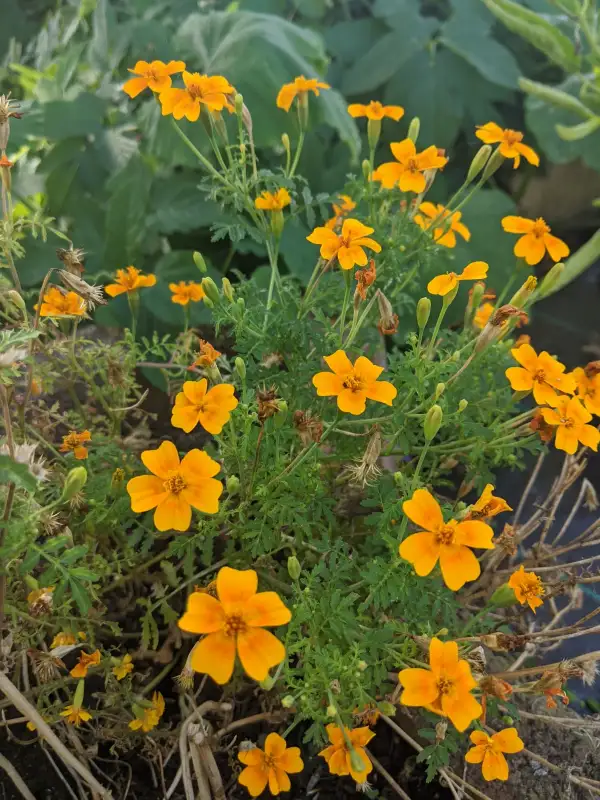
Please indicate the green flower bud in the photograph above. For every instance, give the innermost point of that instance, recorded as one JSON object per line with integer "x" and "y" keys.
{"x": 293, "y": 567}
{"x": 227, "y": 289}
{"x": 503, "y": 597}
{"x": 414, "y": 128}
{"x": 232, "y": 484}
{"x": 208, "y": 302}
{"x": 423, "y": 312}
{"x": 199, "y": 261}
{"x": 373, "y": 131}
{"x": 550, "y": 280}
{"x": 303, "y": 110}
{"x": 462, "y": 405}
{"x": 239, "y": 104}
{"x": 362, "y": 665}
{"x": 449, "y": 298}
{"x": 366, "y": 169}
{"x": 31, "y": 582}
{"x": 287, "y": 701}
{"x": 331, "y": 711}
{"x": 78, "y": 696}
{"x": 285, "y": 141}
{"x": 389, "y": 709}
{"x": 507, "y": 720}
{"x": 74, "y": 482}
{"x": 522, "y": 295}
{"x": 210, "y": 290}
{"x": 356, "y": 762}
{"x": 16, "y": 299}
{"x": 439, "y": 390}
{"x": 240, "y": 367}
{"x": 479, "y": 161}
{"x": 277, "y": 223}
{"x": 477, "y": 295}
{"x": 267, "y": 684}
{"x": 432, "y": 422}
{"x": 494, "y": 163}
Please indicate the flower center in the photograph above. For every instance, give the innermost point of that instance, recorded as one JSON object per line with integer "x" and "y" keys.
{"x": 540, "y": 376}
{"x": 568, "y": 422}
{"x": 540, "y": 228}
{"x": 445, "y": 534}
{"x": 353, "y": 383}
{"x": 413, "y": 165}
{"x": 512, "y": 137}
{"x": 175, "y": 484}
{"x": 234, "y": 625}
{"x": 72, "y": 440}
{"x": 532, "y": 587}
{"x": 445, "y": 685}
{"x": 195, "y": 91}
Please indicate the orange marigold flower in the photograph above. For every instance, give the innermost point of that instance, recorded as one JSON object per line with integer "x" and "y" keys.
{"x": 524, "y": 338}
{"x": 511, "y": 143}
{"x": 175, "y": 487}
{"x": 298, "y": 88}
{"x": 73, "y": 443}
{"x": 588, "y": 389}
{"x": 488, "y": 505}
{"x": 200, "y": 90}
{"x": 269, "y": 766}
{"x": 536, "y": 239}
{"x": 407, "y": 171}
{"x": 448, "y": 542}
{"x": 154, "y": 75}
{"x": 56, "y": 303}
{"x": 123, "y": 669}
{"x": 4, "y": 162}
{"x": 207, "y": 354}
{"x": 365, "y": 277}
{"x": 148, "y": 718}
{"x": 346, "y": 745}
{"x": 234, "y": 621}
{"x": 446, "y": 223}
{"x": 483, "y": 314}
{"x": 571, "y": 421}
{"x": 340, "y": 210}
{"x": 86, "y": 660}
{"x": 75, "y": 715}
{"x": 541, "y": 374}
{"x": 273, "y": 201}
{"x": 347, "y": 246}
{"x": 489, "y": 752}
{"x": 444, "y": 284}
{"x": 445, "y": 688}
{"x": 376, "y": 111}
{"x": 555, "y": 692}
{"x": 353, "y": 384}
{"x": 196, "y": 404}
{"x": 129, "y": 279}
{"x": 528, "y": 588}
{"x": 186, "y": 292}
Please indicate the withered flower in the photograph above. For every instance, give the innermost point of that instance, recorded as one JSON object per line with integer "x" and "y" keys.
{"x": 72, "y": 259}
{"x": 538, "y": 423}
{"x": 310, "y": 429}
{"x": 267, "y": 403}
{"x": 365, "y": 470}
{"x": 8, "y": 109}
{"x": 506, "y": 541}
{"x": 93, "y": 295}
{"x": 365, "y": 277}
{"x": 495, "y": 687}
{"x": 388, "y": 321}
{"x": 45, "y": 665}
{"x": 40, "y": 601}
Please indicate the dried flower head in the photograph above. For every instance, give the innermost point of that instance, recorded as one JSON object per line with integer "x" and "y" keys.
{"x": 495, "y": 687}
{"x": 8, "y": 109}
{"x": 388, "y": 321}
{"x": 310, "y": 429}
{"x": 24, "y": 453}
{"x": 45, "y": 665}
{"x": 267, "y": 400}
{"x": 590, "y": 496}
{"x": 72, "y": 259}
{"x": 589, "y": 671}
{"x": 543, "y": 429}
{"x": 477, "y": 660}
{"x": 40, "y": 601}
{"x": 93, "y": 295}
{"x": 506, "y": 541}
{"x": 365, "y": 277}
{"x": 365, "y": 470}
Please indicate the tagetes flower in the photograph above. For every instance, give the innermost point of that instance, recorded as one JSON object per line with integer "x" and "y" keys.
{"x": 488, "y": 505}
{"x": 511, "y": 143}
{"x": 234, "y": 622}
{"x": 73, "y": 442}
{"x": 175, "y": 487}
{"x": 86, "y": 660}
{"x": 207, "y": 354}
{"x": 342, "y": 209}
{"x": 483, "y": 314}
{"x": 300, "y": 86}
{"x": 571, "y": 421}
{"x": 489, "y": 752}
{"x": 353, "y": 384}
{"x": 535, "y": 241}
{"x": 365, "y": 278}
{"x": 196, "y": 404}
{"x": 376, "y": 111}
{"x": 444, "y": 284}
{"x": 269, "y": 766}
{"x": 540, "y": 426}
{"x": 541, "y": 374}
{"x": 186, "y": 292}
{"x": 200, "y": 90}
{"x": 154, "y": 75}
{"x": 75, "y": 715}
{"x": 339, "y": 755}
{"x": 62, "y": 639}
{"x": 56, "y": 303}
{"x": 346, "y": 246}
{"x": 528, "y": 588}
{"x": 588, "y": 389}
{"x": 448, "y": 542}
{"x": 128, "y": 280}
{"x": 447, "y": 223}
{"x": 407, "y": 171}
{"x": 123, "y": 669}
{"x": 445, "y": 688}
{"x": 149, "y": 717}
{"x": 273, "y": 201}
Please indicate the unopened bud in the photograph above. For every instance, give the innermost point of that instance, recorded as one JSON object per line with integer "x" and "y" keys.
{"x": 423, "y": 312}
{"x": 432, "y": 422}
{"x": 74, "y": 482}
{"x": 239, "y": 104}
{"x": 287, "y": 701}
{"x": 362, "y": 665}
{"x": 462, "y": 405}
{"x": 331, "y": 711}
{"x": 240, "y": 367}
{"x": 210, "y": 290}
{"x": 293, "y": 567}
{"x": 551, "y": 279}
{"x": 208, "y": 302}
{"x": 494, "y": 163}
{"x": 503, "y": 597}
{"x": 439, "y": 390}
{"x": 479, "y": 161}
{"x": 508, "y": 720}
{"x": 267, "y": 684}
{"x": 366, "y": 169}
{"x": 522, "y": 295}
{"x": 356, "y": 762}
{"x": 285, "y": 141}
{"x": 15, "y": 298}
{"x": 277, "y": 223}
{"x": 387, "y": 708}
{"x": 227, "y": 289}
{"x": 303, "y": 110}
{"x": 449, "y": 297}
{"x": 232, "y": 484}
{"x": 199, "y": 261}
{"x": 373, "y": 131}
{"x": 476, "y": 296}
{"x": 414, "y": 128}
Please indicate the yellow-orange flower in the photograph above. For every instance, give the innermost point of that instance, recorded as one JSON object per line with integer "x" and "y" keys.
{"x": 207, "y": 354}
{"x": 510, "y": 143}
{"x": 186, "y": 292}
{"x": 376, "y": 111}
{"x": 535, "y": 240}
{"x": 62, "y": 639}
{"x": 407, "y": 171}
{"x": 269, "y": 766}
{"x": 129, "y": 279}
{"x": 483, "y": 314}
{"x": 528, "y": 588}
{"x": 446, "y": 223}
{"x": 445, "y": 688}
{"x": 353, "y": 384}
{"x": 339, "y": 754}
{"x": 299, "y": 87}
{"x": 86, "y": 660}
{"x": 149, "y": 717}
{"x": 196, "y": 405}
{"x": 488, "y": 505}
{"x": 175, "y": 487}
{"x": 448, "y": 542}
{"x": 444, "y": 284}
{"x": 588, "y": 389}
{"x": 73, "y": 443}
{"x": 273, "y": 201}
{"x": 123, "y": 669}
{"x": 154, "y": 75}
{"x": 75, "y": 715}
{"x": 571, "y": 421}
{"x": 346, "y": 246}
{"x": 489, "y": 752}
{"x": 56, "y": 303}
{"x": 200, "y": 90}
{"x": 541, "y": 374}
{"x": 234, "y": 621}
{"x": 341, "y": 210}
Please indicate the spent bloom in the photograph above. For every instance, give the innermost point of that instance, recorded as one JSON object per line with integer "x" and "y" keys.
{"x": 148, "y": 717}
{"x": 488, "y": 505}
{"x": 528, "y": 588}
{"x": 196, "y": 404}
{"x": 365, "y": 278}
{"x": 444, "y": 284}
{"x": 445, "y": 688}
{"x": 346, "y": 754}
{"x": 448, "y": 542}
{"x": 353, "y": 384}
{"x": 154, "y": 75}
{"x": 40, "y": 601}
{"x": 123, "y": 668}
{"x": 175, "y": 487}
{"x": 346, "y": 246}
{"x": 74, "y": 443}
{"x": 446, "y": 224}
{"x": 93, "y": 295}
{"x": 541, "y": 374}
{"x": 235, "y": 622}
{"x": 211, "y": 91}
{"x": 571, "y": 421}
{"x": 56, "y": 303}
{"x": 273, "y": 201}
{"x": 376, "y": 111}
{"x": 186, "y": 292}
{"x": 489, "y": 752}
{"x": 269, "y": 766}
{"x": 207, "y": 354}
{"x": 62, "y": 639}
{"x": 129, "y": 280}
{"x": 535, "y": 240}
{"x": 86, "y": 660}
{"x": 588, "y": 389}
{"x": 483, "y": 314}
{"x": 407, "y": 170}
{"x": 299, "y": 88}
{"x": 510, "y": 143}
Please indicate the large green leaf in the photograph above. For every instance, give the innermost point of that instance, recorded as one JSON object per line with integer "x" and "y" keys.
{"x": 177, "y": 204}
{"x": 126, "y": 213}
{"x": 82, "y": 116}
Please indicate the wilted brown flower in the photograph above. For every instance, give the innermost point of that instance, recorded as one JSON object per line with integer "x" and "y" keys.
{"x": 506, "y": 541}
{"x": 72, "y": 259}
{"x": 388, "y": 321}
{"x": 310, "y": 429}
{"x": 365, "y": 278}
{"x": 45, "y": 665}
{"x": 495, "y": 687}
{"x": 271, "y": 360}
{"x": 267, "y": 400}
{"x": 8, "y": 109}
{"x": 503, "y": 641}
{"x": 93, "y": 295}
{"x": 539, "y": 424}
{"x": 40, "y": 601}
{"x": 592, "y": 368}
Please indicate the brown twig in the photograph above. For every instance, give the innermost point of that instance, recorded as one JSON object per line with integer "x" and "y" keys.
{"x": 386, "y": 775}
{"x": 522, "y": 673}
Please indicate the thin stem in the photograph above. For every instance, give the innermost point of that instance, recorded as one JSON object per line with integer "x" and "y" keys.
{"x": 273, "y": 256}
{"x": 202, "y": 159}
{"x": 436, "y": 330}
{"x": 297, "y": 155}
{"x": 348, "y": 282}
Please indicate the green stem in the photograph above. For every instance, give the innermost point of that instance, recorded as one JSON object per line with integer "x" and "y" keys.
{"x": 348, "y": 281}
{"x": 297, "y": 155}
{"x": 273, "y": 255}
{"x": 436, "y": 330}
{"x": 304, "y": 454}
{"x": 202, "y": 159}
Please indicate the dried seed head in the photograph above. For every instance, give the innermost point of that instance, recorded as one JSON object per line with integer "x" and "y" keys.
{"x": 590, "y": 672}
{"x": 592, "y": 368}
{"x": 185, "y": 679}
{"x": 72, "y": 259}
{"x": 506, "y": 541}
{"x": 271, "y": 360}
{"x": 388, "y": 321}
{"x": 365, "y": 470}
{"x": 477, "y": 660}
{"x": 310, "y": 429}
{"x": 267, "y": 400}
{"x": 25, "y": 454}
{"x": 570, "y": 669}
{"x": 51, "y": 522}
{"x": 495, "y": 687}
{"x": 45, "y": 665}
{"x": 93, "y": 295}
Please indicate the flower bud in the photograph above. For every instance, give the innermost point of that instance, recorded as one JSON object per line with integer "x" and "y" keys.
{"x": 522, "y": 295}
{"x": 240, "y": 367}
{"x": 356, "y": 762}
{"x": 287, "y": 701}
{"x": 239, "y": 103}
{"x": 423, "y": 312}
{"x": 462, "y": 405}
{"x": 303, "y": 110}
{"x": 267, "y": 684}
{"x": 432, "y": 422}
{"x": 293, "y": 567}
{"x": 439, "y": 390}
{"x": 362, "y": 665}
{"x": 227, "y": 289}
{"x": 285, "y": 141}
{"x": 74, "y": 482}
{"x": 331, "y": 711}
{"x": 508, "y": 720}
{"x": 503, "y": 597}
{"x": 78, "y": 696}
{"x": 373, "y": 131}
{"x": 551, "y": 279}
{"x": 16, "y": 299}
{"x": 366, "y": 169}
{"x": 208, "y": 302}
{"x": 232, "y": 484}
{"x": 449, "y": 298}
{"x": 199, "y": 261}
{"x": 414, "y": 128}
{"x": 210, "y": 290}
{"x": 277, "y": 223}
{"x": 494, "y": 163}
{"x": 479, "y": 161}
{"x": 387, "y": 708}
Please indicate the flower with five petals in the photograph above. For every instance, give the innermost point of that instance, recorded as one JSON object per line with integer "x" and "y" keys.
{"x": 375, "y": 111}
{"x": 541, "y": 374}
{"x": 273, "y": 201}
{"x": 444, "y": 284}
{"x": 407, "y": 170}
{"x": 154, "y": 75}
{"x": 489, "y": 752}
{"x": 196, "y": 404}
{"x": 510, "y": 143}
{"x": 57, "y": 303}
{"x": 211, "y": 91}
{"x": 535, "y": 240}
{"x": 186, "y": 292}
{"x": 346, "y": 246}
{"x": 269, "y": 766}
{"x": 588, "y": 389}
{"x": 299, "y": 88}
{"x": 353, "y": 384}
{"x": 129, "y": 280}
{"x": 571, "y": 421}
{"x": 446, "y": 224}
{"x": 528, "y": 588}
{"x": 346, "y": 747}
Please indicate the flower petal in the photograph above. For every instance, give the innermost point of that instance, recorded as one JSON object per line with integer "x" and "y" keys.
{"x": 475, "y": 754}
{"x": 566, "y": 440}
{"x": 203, "y": 614}
{"x": 278, "y": 781}
{"x": 161, "y": 461}
{"x": 352, "y": 402}
{"x": 589, "y": 436}
{"x": 495, "y": 766}
{"x": 174, "y": 513}
{"x": 327, "y": 384}
{"x": 422, "y": 551}
{"x": 265, "y": 610}
{"x": 517, "y": 224}
{"x": 388, "y": 174}
{"x": 474, "y": 533}
{"x": 556, "y": 247}
{"x": 462, "y": 708}
{"x": 404, "y": 150}
{"x": 424, "y": 510}
{"x": 490, "y": 133}
{"x": 195, "y": 391}
{"x": 526, "y": 356}
{"x": 530, "y": 248}
{"x": 365, "y": 369}
{"x": 420, "y": 687}
{"x": 204, "y": 495}
{"x": 459, "y": 565}
{"x": 198, "y": 465}
{"x": 255, "y": 779}
{"x": 443, "y": 656}
{"x": 520, "y": 379}
{"x": 215, "y": 656}
{"x": 135, "y": 86}
{"x": 274, "y": 745}
{"x": 442, "y": 284}
{"x": 475, "y": 271}
{"x": 291, "y": 760}
{"x": 146, "y": 492}
{"x": 508, "y": 740}
{"x": 259, "y": 650}
{"x": 382, "y": 392}
{"x": 236, "y": 586}
{"x": 339, "y": 363}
